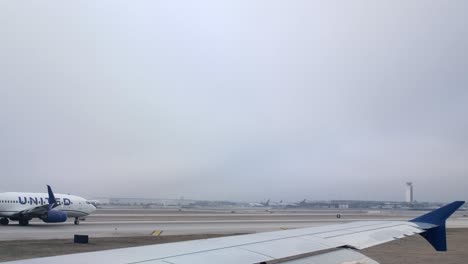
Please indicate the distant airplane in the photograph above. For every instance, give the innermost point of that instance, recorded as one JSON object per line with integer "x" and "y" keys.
{"x": 261, "y": 204}
{"x": 279, "y": 204}
{"x": 300, "y": 204}
{"x": 50, "y": 208}
{"x": 339, "y": 243}
{"x": 282, "y": 204}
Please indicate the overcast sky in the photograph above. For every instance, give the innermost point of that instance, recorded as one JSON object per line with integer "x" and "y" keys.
{"x": 241, "y": 100}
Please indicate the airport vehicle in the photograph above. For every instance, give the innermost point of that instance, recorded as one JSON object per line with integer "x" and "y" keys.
{"x": 325, "y": 244}
{"x": 49, "y": 207}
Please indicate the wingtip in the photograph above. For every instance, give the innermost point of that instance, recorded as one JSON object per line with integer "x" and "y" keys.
{"x": 438, "y": 216}
{"x": 457, "y": 204}
{"x": 436, "y": 234}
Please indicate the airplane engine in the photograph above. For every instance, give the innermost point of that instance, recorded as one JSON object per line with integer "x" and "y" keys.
{"x": 55, "y": 216}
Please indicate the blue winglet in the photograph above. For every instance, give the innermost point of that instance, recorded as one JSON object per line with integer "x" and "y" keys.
{"x": 437, "y": 234}
{"x": 52, "y": 200}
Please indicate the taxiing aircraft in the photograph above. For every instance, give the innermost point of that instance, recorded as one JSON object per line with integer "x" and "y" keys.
{"x": 324, "y": 244}
{"x": 282, "y": 204}
{"x": 50, "y": 208}
{"x": 261, "y": 204}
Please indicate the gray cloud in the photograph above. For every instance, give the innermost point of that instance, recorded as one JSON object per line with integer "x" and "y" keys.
{"x": 235, "y": 100}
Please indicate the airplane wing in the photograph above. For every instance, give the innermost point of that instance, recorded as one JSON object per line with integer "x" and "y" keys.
{"x": 33, "y": 212}
{"x": 333, "y": 244}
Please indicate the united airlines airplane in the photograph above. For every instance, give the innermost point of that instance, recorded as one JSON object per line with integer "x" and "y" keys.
{"x": 48, "y": 207}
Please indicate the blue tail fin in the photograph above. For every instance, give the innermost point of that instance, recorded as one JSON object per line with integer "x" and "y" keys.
{"x": 437, "y": 235}
{"x": 52, "y": 200}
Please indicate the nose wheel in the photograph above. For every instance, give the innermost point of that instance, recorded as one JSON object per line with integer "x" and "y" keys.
{"x": 77, "y": 221}
{"x": 4, "y": 221}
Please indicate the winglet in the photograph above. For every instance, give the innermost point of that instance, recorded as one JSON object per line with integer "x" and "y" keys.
{"x": 52, "y": 200}
{"x": 437, "y": 235}
{"x": 438, "y": 216}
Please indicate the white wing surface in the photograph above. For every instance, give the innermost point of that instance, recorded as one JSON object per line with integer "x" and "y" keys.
{"x": 326, "y": 244}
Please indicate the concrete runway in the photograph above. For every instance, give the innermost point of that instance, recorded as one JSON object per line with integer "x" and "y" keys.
{"x": 141, "y": 222}
{"x": 142, "y": 228}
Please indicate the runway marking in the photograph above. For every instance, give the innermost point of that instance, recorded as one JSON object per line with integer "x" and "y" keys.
{"x": 156, "y": 232}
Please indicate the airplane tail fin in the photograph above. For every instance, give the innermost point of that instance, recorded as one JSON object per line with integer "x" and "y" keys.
{"x": 436, "y": 234}
{"x": 52, "y": 200}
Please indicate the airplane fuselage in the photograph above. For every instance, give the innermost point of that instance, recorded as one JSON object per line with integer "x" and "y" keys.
{"x": 13, "y": 202}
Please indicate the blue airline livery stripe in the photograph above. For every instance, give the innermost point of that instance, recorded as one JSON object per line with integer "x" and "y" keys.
{"x": 66, "y": 210}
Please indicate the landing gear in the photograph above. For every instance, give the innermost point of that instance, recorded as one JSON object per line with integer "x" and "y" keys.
{"x": 77, "y": 221}
{"x": 4, "y": 221}
{"x": 23, "y": 222}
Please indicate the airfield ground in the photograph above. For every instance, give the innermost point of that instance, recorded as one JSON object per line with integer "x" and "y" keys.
{"x": 413, "y": 250}
{"x": 110, "y": 229}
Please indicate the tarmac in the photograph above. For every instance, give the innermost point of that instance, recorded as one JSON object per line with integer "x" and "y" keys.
{"x": 122, "y": 228}
{"x": 142, "y": 222}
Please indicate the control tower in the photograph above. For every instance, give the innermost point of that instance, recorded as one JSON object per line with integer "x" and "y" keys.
{"x": 409, "y": 192}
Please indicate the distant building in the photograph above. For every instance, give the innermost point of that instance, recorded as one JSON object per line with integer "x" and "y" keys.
{"x": 409, "y": 192}
{"x": 343, "y": 206}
